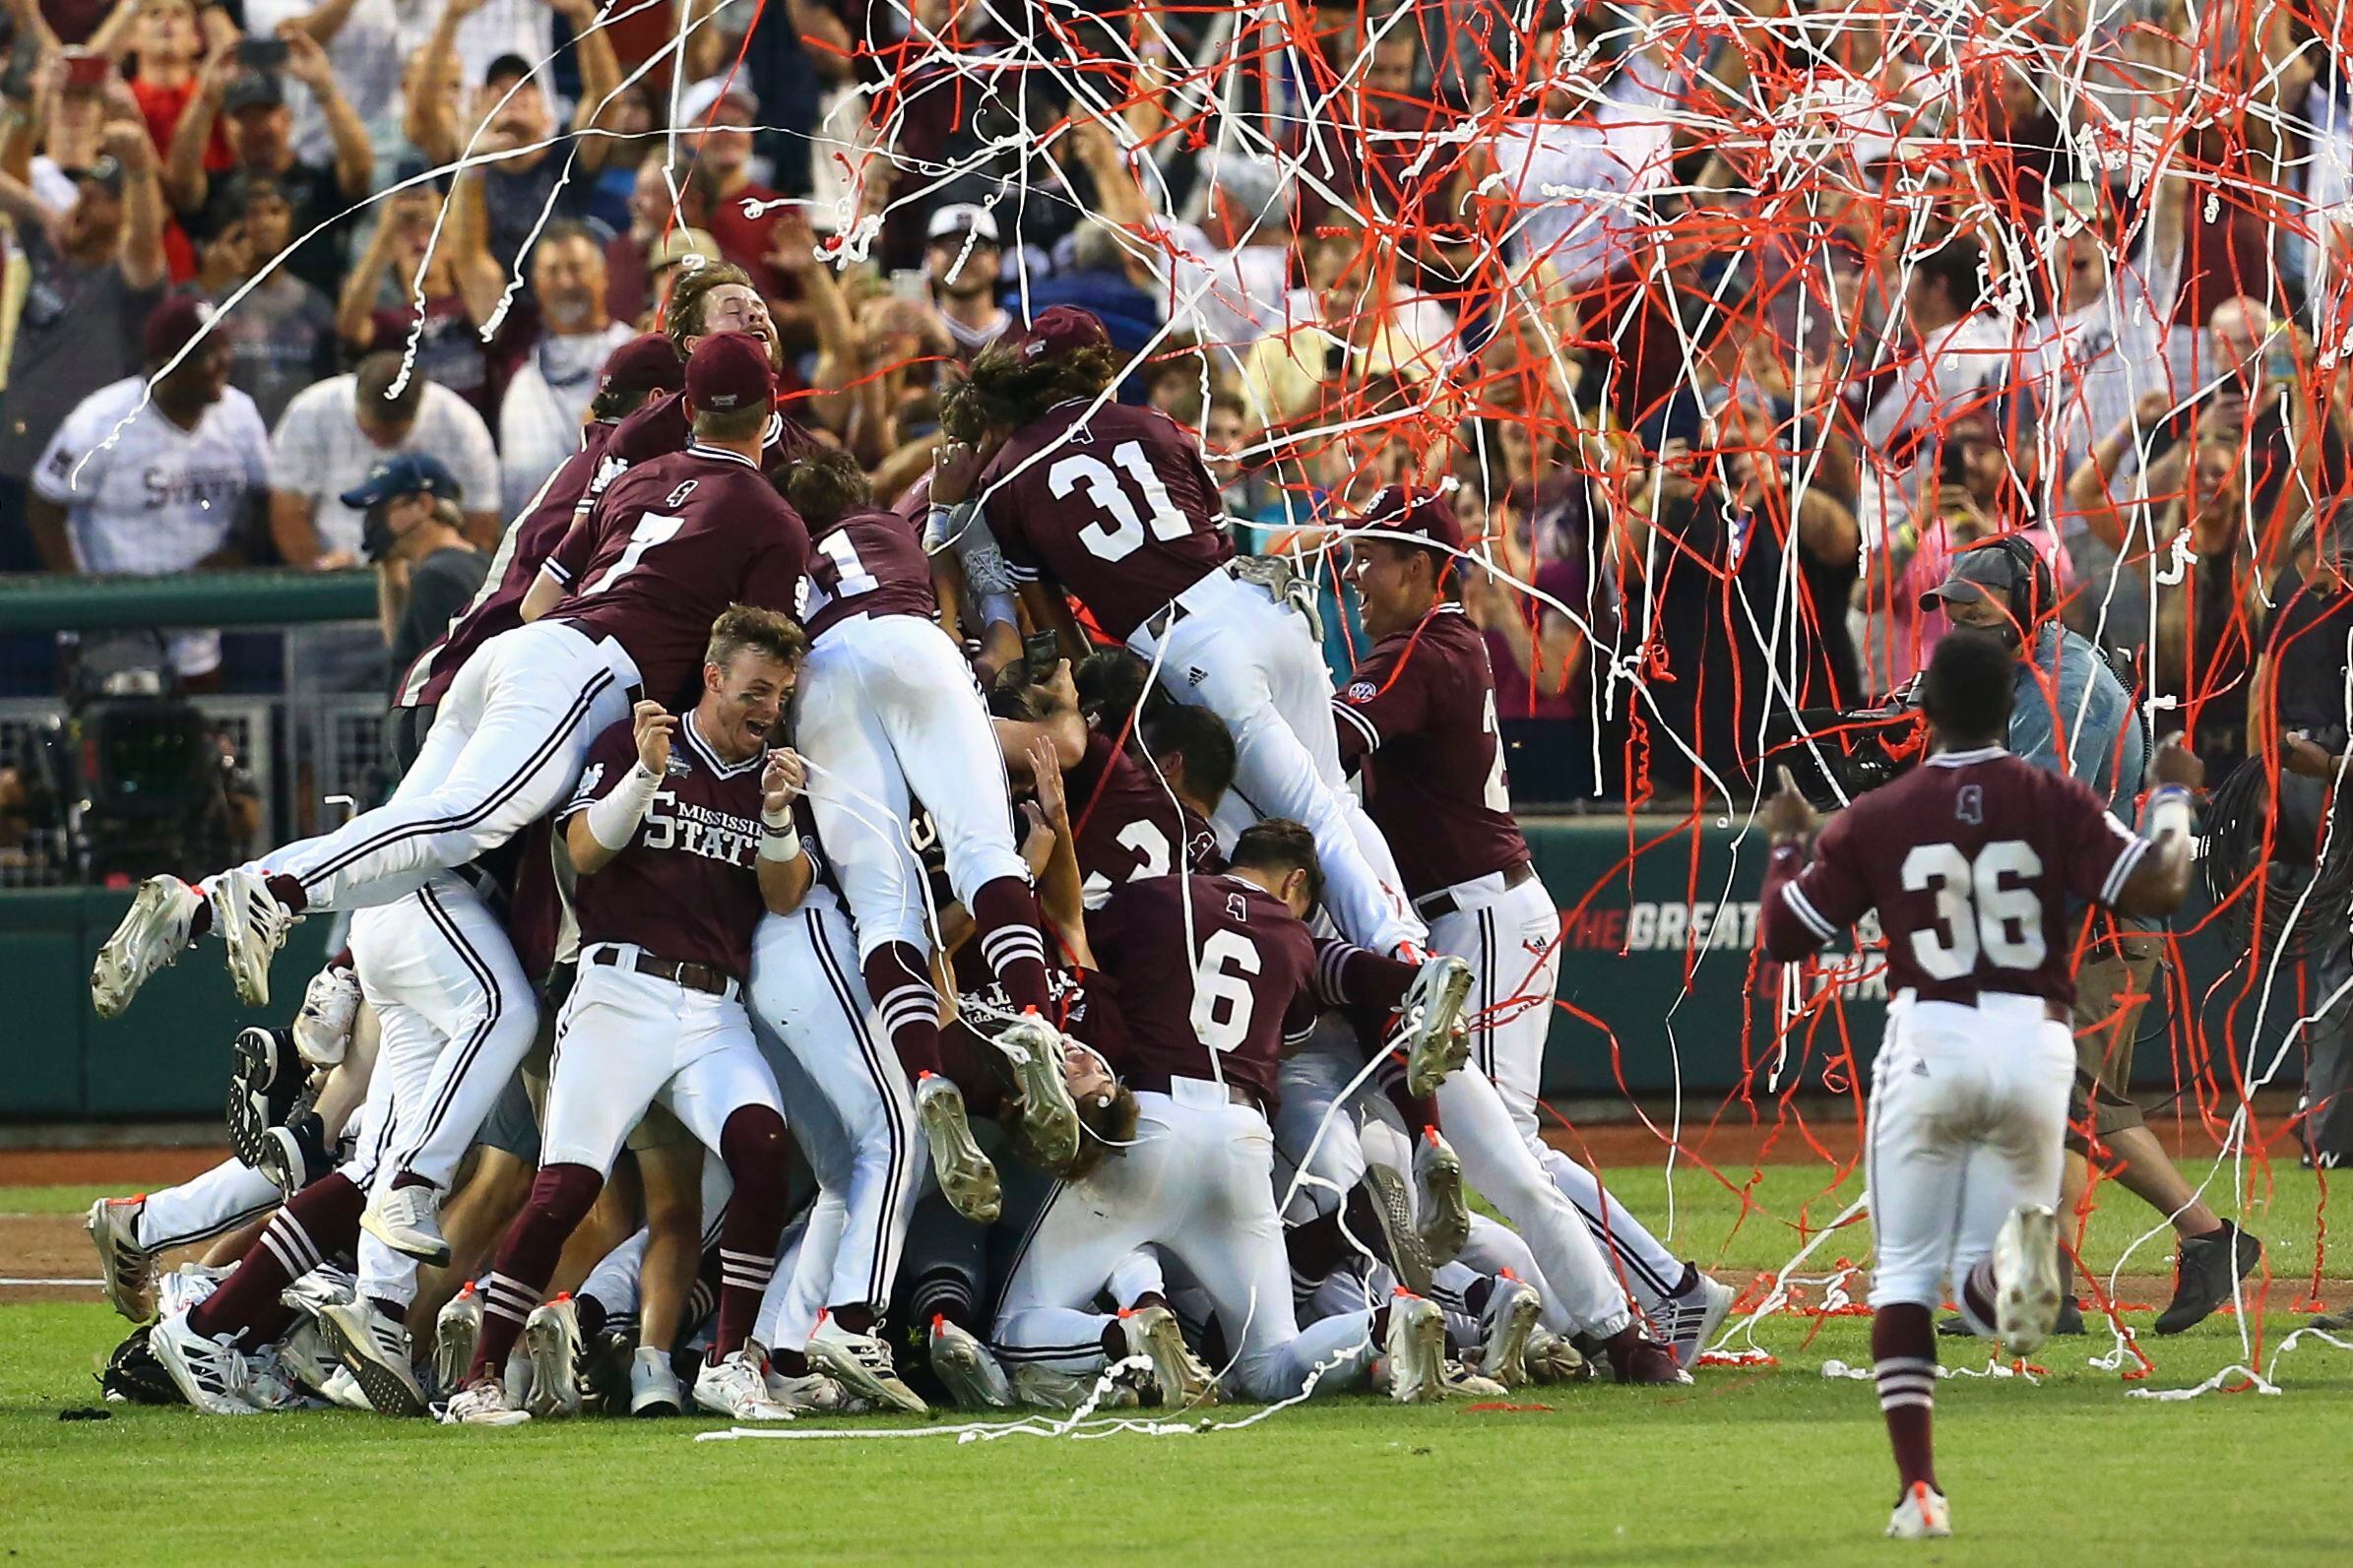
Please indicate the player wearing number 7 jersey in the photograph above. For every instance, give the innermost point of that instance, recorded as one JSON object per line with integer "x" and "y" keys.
{"x": 886, "y": 713}
{"x": 1971, "y": 860}
{"x": 1112, "y": 503}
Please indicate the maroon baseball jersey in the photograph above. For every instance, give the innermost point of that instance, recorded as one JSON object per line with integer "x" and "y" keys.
{"x": 499, "y": 607}
{"x": 1128, "y": 825}
{"x": 1242, "y": 957}
{"x": 869, "y": 563}
{"x": 688, "y": 887}
{"x": 1117, "y": 507}
{"x": 670, "y": 547}
{"x": 1419, "y": 717}
{"x": 1971, "y": 860}
{"x": 664, "y": 427}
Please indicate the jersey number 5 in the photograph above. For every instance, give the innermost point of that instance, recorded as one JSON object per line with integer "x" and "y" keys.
{"x": 1106, "y": 491}
{"x": 1976, "y": 912}
{"x": 1223, "y": 1001}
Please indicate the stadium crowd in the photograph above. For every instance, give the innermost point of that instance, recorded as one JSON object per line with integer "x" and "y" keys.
{"x": 1685, "y": 383}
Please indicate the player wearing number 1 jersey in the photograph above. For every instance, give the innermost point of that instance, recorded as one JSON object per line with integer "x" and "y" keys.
{"x": 1112, "y": 503}
{"x": 887, "y": 713}
{"x": 1971, "y": 860}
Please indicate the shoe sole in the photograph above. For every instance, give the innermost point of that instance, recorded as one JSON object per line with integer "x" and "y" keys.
{"x": 852, "y": 1374}
{"x": 453, "y": 1354}
{"x": 656, "y": 1406}
{"x": 1047, "y": 1116}
{"x": 280, "y": 1159}
{"x": 1407, "y": 1256}
{"x": 248, "y": 970}
{"x": 129, "y": 1274}
{"x": 1436, "y": 1051}
{"x": 183, "y": 1377}
{"x": 966, "y": 1177}
{"x": 112, "y": 984}
{"x": 553, "y": 1353}
{"x": 386, "y": 1390}
{"x": 410, "y": 1243}
{"x": 2026, "y": 1262}
{"x": 1504, "y": 1355}
{"x": 1184, "y": 1383}
{"x": 1446, "y": 1217}
{"x": 248, "y": 1124}
{"x": 1426, "y": 1350}
{"x": 958, "y": 1365}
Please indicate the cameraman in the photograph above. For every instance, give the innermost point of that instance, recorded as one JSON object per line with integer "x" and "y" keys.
{"x": 2072, "y": 713}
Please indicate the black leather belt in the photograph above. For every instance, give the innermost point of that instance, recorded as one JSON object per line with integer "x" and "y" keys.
{"x": 694, "y": 976}
{"x": 1438, "y": 906}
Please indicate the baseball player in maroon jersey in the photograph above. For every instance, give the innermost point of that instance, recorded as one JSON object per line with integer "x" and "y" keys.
{"x": 1199, "y": 1042}
{"x": 1417, "y": 722}
{"x": 691, "y": 534}
{"x": 1973, "y": 860}
{"x": 888, "y": 713}
{"x": 1111, "y": 504}
{"x": 681, "y": 832}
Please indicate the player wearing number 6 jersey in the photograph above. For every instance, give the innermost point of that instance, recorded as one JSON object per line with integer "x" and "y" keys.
{"x": 1971, "y": 860}
{"x": 1112, "y": 503}
{"x": 887, "y": 713}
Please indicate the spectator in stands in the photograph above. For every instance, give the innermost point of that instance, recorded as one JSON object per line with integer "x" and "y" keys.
{"x": 160, "y": 486}
{"x": 281, "y": 334}
{"x": 461, "y": 286}
{"x": 653, "y": 218}
{"x": 681, "y": 249}
{"x": 548, "y": 396}
{"x": 720, "y": 112}
{"x": 333, "y": 433}
{"x": 515, "y": 117}
{"x": 94, "y": 272}
{"x": 426, "y": 569}
{"x": 962, "y": 253}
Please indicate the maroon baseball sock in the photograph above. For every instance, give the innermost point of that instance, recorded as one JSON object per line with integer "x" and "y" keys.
{"x": 1903, "y": 1352}
{"x": 900, "y": 982}
{"x": 560, "y": 1198}
{"x": 1359, "y": 977}
{"x": 321, "y": 1220}
{"x": 752, "y": 1146}
{"x": 1006, "y": 912}
{"x": 1979, "y": 1290}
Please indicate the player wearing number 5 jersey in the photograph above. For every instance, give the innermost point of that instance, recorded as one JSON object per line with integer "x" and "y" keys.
{"x": 1971, "y": 860}
{"x": 887, "y": 713}
{"x": 1112, "y": 503}
{"x": 511, "y": 735}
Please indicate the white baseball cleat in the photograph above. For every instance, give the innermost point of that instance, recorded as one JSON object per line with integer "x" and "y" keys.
{"x": 187, "y": 1285}
{"x": 1693, "y": 1318}
{"x": 323, "y": 1028}
{"x": 209, "y": 1373}
{"x": 1426, "y": 1022}
{"x": 1446, "y": 1219}
{"x": 2027, "y": 1284}
{"x": 309, "y": 1360}
{"x": 735, "y": 1387}
{"x": 1152, "y": 1333}
{"x": 809, "y": 1394}
{"x": 653, "y": 1388}
{"x": 966, "y": 1177}
{"x": 1048, "y": 1117}
{"x": 150, "y": 937}
{"x": 1922, "y": 1515}
{"x": 1393, "y": 1209}
{"x": 271, "y": 1385}
{"x": 1551, "y": 1359}
{"x": 483, "y": 1404}
{"x": 1463, "y": 1383}
{"x": 551, "y": 1338}
{"x": 375, "y": 1346}
{"x": 408, "y": 1220}
{"x": 1513, "y": 1308}
{"x": 1057, "y": 1389}
{"x": 1415, "y": 1349}
{"x": 129, "y": 1271}
{"x": 974, "y": 1377}
{"x": 862, "y": 1365}
{"x": 252, "y": 924}
{"x": 344, "y": 1390}
{"x": 457, "y": 1330}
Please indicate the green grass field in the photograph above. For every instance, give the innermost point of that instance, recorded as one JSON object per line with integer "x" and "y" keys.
{"x": 1751, "y": 1466}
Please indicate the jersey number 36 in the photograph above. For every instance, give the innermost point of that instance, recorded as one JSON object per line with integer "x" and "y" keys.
{"x": 1975, "y": 913}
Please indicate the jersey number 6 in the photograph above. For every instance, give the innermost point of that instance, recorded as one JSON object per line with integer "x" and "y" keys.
{"x": 1223, "y": 1001}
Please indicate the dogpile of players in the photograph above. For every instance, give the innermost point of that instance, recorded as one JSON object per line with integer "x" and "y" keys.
{"x": 823, "y": 957}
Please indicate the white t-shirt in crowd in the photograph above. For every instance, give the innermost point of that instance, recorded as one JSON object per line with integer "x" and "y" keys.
{"x": 154, "y": 499}
{"x": 540, "y": 418}
{"x": 1580, "y": 184}
{"x": 2090, "y": 366}
{"x": 319, "y": 451}
{"x": 1227, "y": 297}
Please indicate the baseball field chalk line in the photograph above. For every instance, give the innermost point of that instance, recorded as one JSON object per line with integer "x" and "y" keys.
{"x": 6, "y": 1280}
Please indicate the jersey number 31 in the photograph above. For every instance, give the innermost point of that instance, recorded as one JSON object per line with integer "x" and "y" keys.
{"x": 1975, "y": 913}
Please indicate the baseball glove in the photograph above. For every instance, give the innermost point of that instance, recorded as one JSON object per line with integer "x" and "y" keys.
{"x": 133, "y": 1375}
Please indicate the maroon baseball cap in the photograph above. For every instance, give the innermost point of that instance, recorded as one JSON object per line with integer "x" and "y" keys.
{"x": 173, "y": 325}
{"x": 1400, "y": 509}
{"x": 1060, "y": 329}
{"x": 727, "y": 372}
{"x": 648, "y": 362}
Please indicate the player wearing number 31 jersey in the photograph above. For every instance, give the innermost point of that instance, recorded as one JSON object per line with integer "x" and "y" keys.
{"x": 1973, "y": 861}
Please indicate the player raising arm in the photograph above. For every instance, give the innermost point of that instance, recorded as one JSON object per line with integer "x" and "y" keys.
{"x": 1973, "y": 860}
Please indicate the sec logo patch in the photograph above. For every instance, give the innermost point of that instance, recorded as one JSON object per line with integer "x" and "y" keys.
{"x": 1363, "y": 691}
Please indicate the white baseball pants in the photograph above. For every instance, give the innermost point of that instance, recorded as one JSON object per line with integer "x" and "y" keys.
{"x": 1198, "y": 1184}
{"x": 805, "y": 986}
{"x": 886, "y": 712}
{"x": 1511, "y": 938}
{"x": 1967, "y": 1117}
{"x": 204, "y": 1206}
{"x": 1253, "y": 663}
{"x": 506, "y": 746}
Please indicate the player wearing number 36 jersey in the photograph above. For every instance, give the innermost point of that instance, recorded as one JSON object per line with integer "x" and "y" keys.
{"x": 1973, "y": 860}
